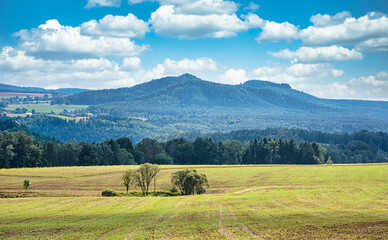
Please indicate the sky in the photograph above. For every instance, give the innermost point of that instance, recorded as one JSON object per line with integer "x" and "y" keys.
{"x": 330, "y": 49}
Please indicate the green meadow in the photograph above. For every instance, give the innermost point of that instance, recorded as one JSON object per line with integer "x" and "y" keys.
{"x": 243, "y": 202}
{"x": 46, "y": 108}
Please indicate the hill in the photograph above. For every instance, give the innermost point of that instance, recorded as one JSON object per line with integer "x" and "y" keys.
{"x": 187, "y": 103}
{"x": 11, "y": 88}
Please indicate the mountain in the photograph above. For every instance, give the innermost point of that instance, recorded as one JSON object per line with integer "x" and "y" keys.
{"x": 120, "y": 94}
{"x": 189, "y": 94}
{"x": 187, "y": 103}
{"x": 11, "y": 88}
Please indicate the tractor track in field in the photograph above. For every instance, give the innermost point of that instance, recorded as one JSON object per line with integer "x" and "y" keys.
{"x": 227, "y": 234}
{"x": 245, "y": 227}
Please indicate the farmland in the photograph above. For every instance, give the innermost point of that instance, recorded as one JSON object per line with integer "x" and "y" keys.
{"x": 4, "y": 95}
{"x": 243, "y": 202}
{"x": 46, "y": 108}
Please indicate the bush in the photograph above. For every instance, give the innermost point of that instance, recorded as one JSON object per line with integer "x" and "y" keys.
{"x": 160, "y": 193}
{"x": 162, "y": 159}
{"x": 174, "y": 189}
{"x": 26, "y": 184}
{"x": 109, "y": 193}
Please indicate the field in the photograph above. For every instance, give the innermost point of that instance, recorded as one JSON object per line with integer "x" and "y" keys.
{"x": 45, "y": 108}
{"x": 4, "y": 95}
{"x": 243, "y": 202}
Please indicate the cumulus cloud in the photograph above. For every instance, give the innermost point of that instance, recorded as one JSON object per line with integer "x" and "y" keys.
{"x": 169, "y": 67}
{"x": 310, "y": 78}
{"x": 373, "y": 45}
{"x": 131, "y": 64}
{"x": 252, "y": 7}
{"x": 296, "y": 73}
{"x": 116, "y": 26}
{"x": 319, "y": 54}
{"x": 12, "y": 60}
{"x": 137, "y": 1}
{"x": 327, "y": 20}
{"x": 373, "y": 87}
{"x": 321, "y": 80}
{"x": 103, "y": 3}
{"x": 191, "y": 21}
{"x": 233, "y": 76}
{"x": 204, "y": 7}
{"x": 90, "y": 73}
{"x": 52, "y": 40}
{"x": 274, "y": 32}
{"x": 350, "y": 31}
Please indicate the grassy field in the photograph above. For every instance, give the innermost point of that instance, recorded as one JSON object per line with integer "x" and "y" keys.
{"x": 51, "y": 115}
{"x": 46, "y": 108}
{"x": 4, "y": 95}
{"x": 243, "y": 202}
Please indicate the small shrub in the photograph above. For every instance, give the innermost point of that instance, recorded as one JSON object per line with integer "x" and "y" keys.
{"x": 160, "y": 193}
{"x": 109, "y": 193}
{"x": 26, "y": 184}
{"x": 174, "y": 189}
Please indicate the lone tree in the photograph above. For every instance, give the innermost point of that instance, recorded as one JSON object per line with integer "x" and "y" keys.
{"x": 26, "y": 184}
{"x": 144, "y": 176}
{"x": 127, "y": 179}
{"x": 189, "y": 181}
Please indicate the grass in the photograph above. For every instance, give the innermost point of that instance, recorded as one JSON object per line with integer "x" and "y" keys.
{"x": 46, "y": 108}
{"x": 243, "y": 202}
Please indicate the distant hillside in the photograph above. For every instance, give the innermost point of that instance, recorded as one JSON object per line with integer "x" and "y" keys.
{"x": 13, "y": 126}
{"x": 11, "y": 88}
{"x": 121, "y": 94}
{"x": 187, "y": 103}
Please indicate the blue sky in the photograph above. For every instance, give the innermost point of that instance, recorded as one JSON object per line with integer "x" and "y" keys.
{"x": 331, "y": 49}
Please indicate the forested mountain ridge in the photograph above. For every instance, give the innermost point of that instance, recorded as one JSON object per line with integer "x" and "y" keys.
{"x": 189, "y": 91}
{"x": 126, "y": 93}
{"x": 187, "y": 103}
{"x": 11, "y": 88}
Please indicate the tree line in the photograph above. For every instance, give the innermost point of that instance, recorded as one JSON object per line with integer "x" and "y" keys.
{"x": 18, "y": 149}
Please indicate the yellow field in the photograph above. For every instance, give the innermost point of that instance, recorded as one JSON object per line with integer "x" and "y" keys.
{"x": 243, "y": 202}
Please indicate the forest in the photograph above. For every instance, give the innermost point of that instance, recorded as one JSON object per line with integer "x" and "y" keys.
{"x": 20, "y": 147}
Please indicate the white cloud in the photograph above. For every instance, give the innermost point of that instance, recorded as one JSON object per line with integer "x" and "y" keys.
{"x": 103, "y": 3}
{"x": 369, "y": 87}
{"x": 205, "y": 7}
{"x": 252, "y": 6}
{"x": 137, "y": 1}
{"x": 233, "y": 76}
{"x": 80, "y": 79}
{"x": 320, "y": 80}
{"x": 313, "y": 70}
{"x": 131, "y": 64}
{"x": 373, "y": 45}
{"x": 12, "y": 60}
{"x": 274, "y": 32}
{"x": 335, "y": 90}
{"x": 319, "y": 54}
{"x": 169, "y": 67}
{"x": 167, "y": 21}
{"x": 296, "y": 73}
{"x": 116, "y": 26}
{"x": 351, "y": 31}
{"x": 52, "y": 40}
{"x": 327, "y": 20}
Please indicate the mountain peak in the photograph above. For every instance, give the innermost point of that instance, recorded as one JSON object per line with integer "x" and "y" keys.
{"x": 188, "y": 76}
{"x": 265, "y": 84}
